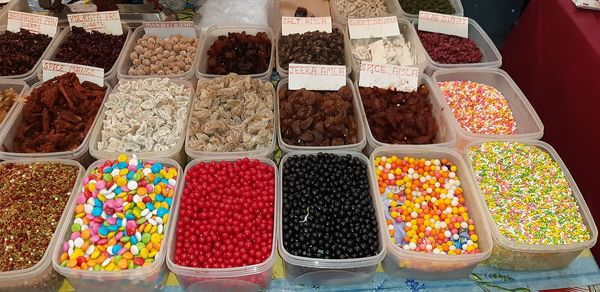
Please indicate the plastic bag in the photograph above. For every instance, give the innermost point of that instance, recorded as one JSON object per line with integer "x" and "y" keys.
{"x": 234, "y": 12}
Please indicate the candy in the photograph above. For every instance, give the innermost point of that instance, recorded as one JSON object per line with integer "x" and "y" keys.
{"x": 528, "y": 194}
{"x": 115, "y": 231}
{"x": 424, "y": 205}
{"x": 32, "y": 198}
{"x": 155, "y": 56}
{"x": 229, "y": 222}
{"x": 479, "y": 108}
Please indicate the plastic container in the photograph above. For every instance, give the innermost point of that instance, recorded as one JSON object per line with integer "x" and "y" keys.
{"x": 356, "y": 147}
{"x": 125, "y": 62}
{"x": 392, "y": 7}
{"x": 20, "y": 88}
{"x": 15, "y": 5}
{"x": 176, "y": 153}
{"x": 511, "y": 255}
{"x": 248, "y": 278}
{"x": 149, "y": 278}
{"x": 446, "y": 137}
{"x": 41, "y": 276}
{"x": 214, "y": 32}
{"x": 335, "y": 272}
{"x": 410, "y": 35}
{"x": 491, "y": 57}
{"x": 266, "y": 152}
{"x": 111, "y": 76}
{"x": 455, "y": 3}
{"x": 80, "y": 154}
{"x": 347, "y": 54}
{"x": 30, "y": 76}
{"x": 415, "y": 265}
{"x": 529, "y": 125}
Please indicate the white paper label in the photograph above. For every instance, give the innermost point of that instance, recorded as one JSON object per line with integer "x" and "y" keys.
{"x": 290, "y": 25}
{"x": 80, "y": 7}
{"x": 51, "y": 69}
{"x": 388, "y": 76}
{"x": 106, "y": 22}
{"x": 166, "y": 29}
{"x": 316, "y": 77}
{"x": 443, "y": 23}
{"x": 34, "y": 23}
{"x": 364, "y": 28}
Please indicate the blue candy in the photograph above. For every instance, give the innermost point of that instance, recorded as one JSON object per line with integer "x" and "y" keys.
{"x": 169, "y": 201}
{"x": 156, "y": 181}
{"x": 156, "y": 167}
{"x": 122, "y": 165}
{"x": 133, "y": 240}
{"x": 113, "y": 228}
{"x": 117, "y": 190}
{"x": 97, "y": 211}
{"x": 116, "y": 249}
{"x": 130, "y": 216}
{"x": 161, "y": 212}
{"x": 108, "y": 169}
{"x": 159, "y": 198}
{"x": 103, "y": 231}
{"x": 150, "y": 206}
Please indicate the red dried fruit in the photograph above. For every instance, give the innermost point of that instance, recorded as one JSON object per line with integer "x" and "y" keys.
{"x": 20, "y": 51}
{"x": 239, "y": 53}
{"x": 449, "y": 49}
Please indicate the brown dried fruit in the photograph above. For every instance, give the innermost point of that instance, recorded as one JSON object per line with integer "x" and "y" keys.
{"x": 313, "y": 47}
{"x": 7, "y": 99}
{"x": 20, "y": 51}
{"x": 239, "y": 53}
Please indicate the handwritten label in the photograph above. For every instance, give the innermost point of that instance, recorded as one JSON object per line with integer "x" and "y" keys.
{"x": 290, "y": 25}
{"x": 80, "y": 7}
{"x": 51, "y": 69}
{"x": 443, "y": 23}
{"x": 364, "y": 28}
{"x": 388, "y": 76}
{"x": 35, "y": 23}
{"x": 166, "y": 29}
{"x": 106, "y": 22}
{"x": 316, "y": 77}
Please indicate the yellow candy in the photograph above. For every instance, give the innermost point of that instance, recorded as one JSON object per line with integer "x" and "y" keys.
{"x": 95, "y": 254}
{"x": 155, "y": 238}
{"x": 123, "y": 172}
{"x": 110, "y": 267}
{"x": 144, "y": 253}
{"x": 122, "y": 158}
{"x": 141, "y": 205}
{"x": 157, "y": 189}
{"x": 121, "y": 181}
{"x": 153, "y": 253}
{"x": 76, "y": 253}
{"x": 147, "y": 228}
{"x": 474, "y": 237}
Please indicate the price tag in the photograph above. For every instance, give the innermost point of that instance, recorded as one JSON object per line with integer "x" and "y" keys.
{"x": 34, "y": 23}
{"x": 290, "y": 25}
{"x": 106, "y": 22}
{"x": 51, "y": 69}
{"x": 388, "y": 76}
{"x": 443, "y": 23}
{"x": 316, "y": 77}
{"x": 169, "y": 28}
{"x": 364, "y": 28}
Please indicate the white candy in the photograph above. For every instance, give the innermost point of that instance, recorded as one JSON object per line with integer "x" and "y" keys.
{"x": 89, "y": 250}
{"x": 152, "y": 222}
{"x": 106, "y": 262}
{"x": 137, "y": 199}
{"x": 145, "y": 212}
{"x": 159, "y": 229}
{"x": 78, "y": 242}
{"x": 109, "y": 249}
{"x": 464, "y": 224}
{"x": 71, "y": 243}
{"x": 134, "y": 249}
{"x": 158, "y": 220}
{"x": 138, "y": 235}
{"x": 88, "y": 208}
{"x": 132, "y": 185}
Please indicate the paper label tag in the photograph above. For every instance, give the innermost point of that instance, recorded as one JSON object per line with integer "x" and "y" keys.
{"x": 393, "y": 77}
{"x": 51, "y": 69}
{"x": 316, "y": 77}
{"x": 290, "y": 25}
{"x": 169, "y": 28}
{"x": 443, "y": 23}
{"x": 34, "y": 23}
{"x": 364, "y": 28}
{"x": 80, "y": 7}
{"x": 106, "y": 22}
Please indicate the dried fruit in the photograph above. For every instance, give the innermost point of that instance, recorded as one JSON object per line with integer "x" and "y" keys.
{"x": 437, "y": 6}
{"x": 20, "y": 51}
{"x": 313, "y": 47}
{"x": 449, "y": 49}
{"x": 239, "y": 53}
{"x": 155, "y": 56}
{"x": 7, "y": 99}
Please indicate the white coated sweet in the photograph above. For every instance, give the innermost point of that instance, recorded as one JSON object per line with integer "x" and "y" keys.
{"x": 388, "y": 50}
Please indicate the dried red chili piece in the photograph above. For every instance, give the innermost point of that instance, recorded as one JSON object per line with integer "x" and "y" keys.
{"x": 58, "y": 115}
{"x": 239, "y": 53}
{"x": 20, "y": 51}
{"x": 449, "y": 49}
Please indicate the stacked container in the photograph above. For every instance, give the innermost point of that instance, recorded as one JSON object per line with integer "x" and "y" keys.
{"x": 248, "y": 278}
{"x": 392, "y": 7}
{"x": 415, "y": 265}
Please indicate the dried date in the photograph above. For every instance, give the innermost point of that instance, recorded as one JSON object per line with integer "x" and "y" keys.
{"x": 20, "y": 51}
{"x": 313, "y": 47}
{"x": 239, "y": 53}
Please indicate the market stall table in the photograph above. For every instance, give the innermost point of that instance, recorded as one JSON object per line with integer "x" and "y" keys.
{"x": 553, "y": 54}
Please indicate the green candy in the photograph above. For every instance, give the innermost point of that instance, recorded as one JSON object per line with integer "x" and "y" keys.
{"x": 137, "y": 176}
{"x": 107, "y": 177}
{"x": 118, "y": 258}
{"x": 124, "y": 239}
{"x": 140, "y": 245}
{"x": 130, "y": 266}
{"x": 145, "y": 237}
{"x": 75, "y": 228}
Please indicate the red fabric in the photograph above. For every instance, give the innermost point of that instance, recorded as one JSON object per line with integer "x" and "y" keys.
{"x": 554, "y": 56}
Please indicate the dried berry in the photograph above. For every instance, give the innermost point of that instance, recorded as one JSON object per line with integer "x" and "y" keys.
{"x": 155, "y": 56}
{"x": 398, "y": 117}
{"x": 20, "y": 51}
{"x": 313, "y": 47}
{"x": 318, "y": 118}
{"x": 94, "y": 48}
{"x": 239, "y": 53}
{"x": 58, "y": 115}
{"x": 449, "y": 49}
{"x": 437, "y": 6}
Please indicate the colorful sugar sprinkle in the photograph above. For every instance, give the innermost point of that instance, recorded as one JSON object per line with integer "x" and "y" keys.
{"x": 527, "y": 193}
{"x": 479, "y": 108}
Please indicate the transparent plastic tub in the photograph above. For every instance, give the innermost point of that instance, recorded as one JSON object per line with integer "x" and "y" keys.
{"x": 347, "y": 54}
{"x": 511, "y": 255}
{"x": 410, "y": 35}
{"x": 491, "y": 57}
{"x": 80, "y": 154}
{"x": 176, "y": 153}
{"x": 125, "y": 63}
{"x": 149, "y": 278}
{"x": 330, "y": 272}
{"x": 249, "y": 278}
{"x": 529, "y": 125}
{"x": 415, "y": 265}
{"x": 15, "y": 5}
{"x": 111, "y": 76}
{"x": 356, "y": 147}
{"x": 392, "y": 7}
{"x": 41, "y": 276}
{"x": 455, "y": 3}
{"x": 266, "y": 152}
{"x": 30, "y": 76}
{"x": 446, "y": 137}
{"x": 214, "y": 32}
{"x": 20, "y": 88}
